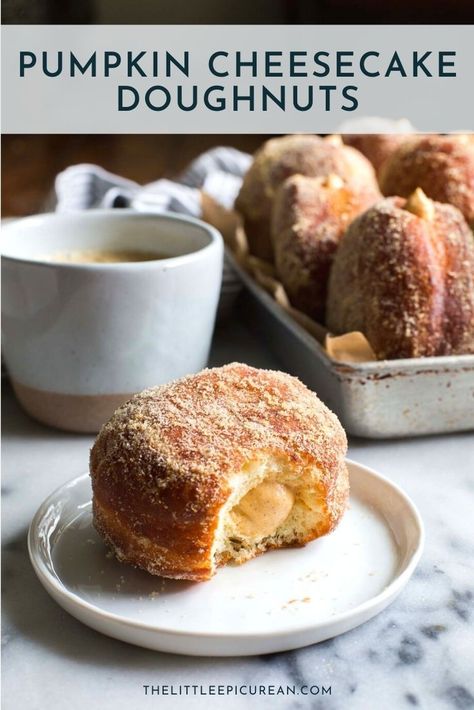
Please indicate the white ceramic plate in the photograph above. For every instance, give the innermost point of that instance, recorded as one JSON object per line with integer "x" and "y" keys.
{"x": 282, "y": 600}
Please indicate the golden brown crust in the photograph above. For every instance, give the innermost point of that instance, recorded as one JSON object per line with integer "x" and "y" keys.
{"x": 310, "y": 215}
{"x": 443, "y": 166}
{"x": 406, "y": 281}
{"x": 278, "y": 159}
{"x": 162, "y": 467}
{"x": 377, "y": 147}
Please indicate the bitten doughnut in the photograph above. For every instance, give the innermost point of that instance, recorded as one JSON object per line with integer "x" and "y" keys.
{"x": 404, "y": 276}
{"x": 217, "y": 467}
{"x": 310, "y": 215}
{"x": 278, "y": 159}
{"x": 443, "y": 166}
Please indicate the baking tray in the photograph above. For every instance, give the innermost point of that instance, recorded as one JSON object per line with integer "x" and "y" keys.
{"x": 377, "y": 400}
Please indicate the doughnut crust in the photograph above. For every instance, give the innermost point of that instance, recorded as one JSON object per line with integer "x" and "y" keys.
{"x": 310, "y": 216}
{"x": 217, "y": 467}
{"x": 442, "y": 166}
{"x": 278, "y": 159}
{"x": 404, "y": 276}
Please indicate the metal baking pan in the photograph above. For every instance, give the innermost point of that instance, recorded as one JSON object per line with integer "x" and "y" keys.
{"x": 384, "y": 399}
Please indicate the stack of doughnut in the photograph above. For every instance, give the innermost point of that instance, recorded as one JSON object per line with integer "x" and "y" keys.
{"x": 399, "y": 269}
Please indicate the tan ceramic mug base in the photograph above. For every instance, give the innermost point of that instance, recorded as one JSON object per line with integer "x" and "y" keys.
{"x": 79, "y": 413}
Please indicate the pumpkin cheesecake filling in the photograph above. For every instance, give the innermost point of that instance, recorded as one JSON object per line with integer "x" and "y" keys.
{"x": 262, "y": 510}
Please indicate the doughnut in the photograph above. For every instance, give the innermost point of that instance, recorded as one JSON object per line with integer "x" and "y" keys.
{"x": 443, "y": 166}
{"x": 404, "y": 276}
{"x": 217, "y": 468}
{"x": 377, "y": 147}
{"x": 310, "y": 216}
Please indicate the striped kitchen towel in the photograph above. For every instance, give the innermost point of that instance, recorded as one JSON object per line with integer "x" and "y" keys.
{"x": 218, "y": 172}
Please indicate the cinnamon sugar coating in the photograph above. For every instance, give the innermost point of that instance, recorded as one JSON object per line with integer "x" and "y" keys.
{"x": 406, "y": 281}
{"x": 443, "y": 166}
{"x": 310, "y": 215}
{"x": 278, "y": 159}
{"x": 164, "y": 465}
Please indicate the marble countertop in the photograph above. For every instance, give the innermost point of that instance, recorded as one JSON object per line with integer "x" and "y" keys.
{"x": 417, "y": 653}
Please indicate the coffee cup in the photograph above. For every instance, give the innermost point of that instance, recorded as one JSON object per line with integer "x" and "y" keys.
{"x": 81, "y": 335}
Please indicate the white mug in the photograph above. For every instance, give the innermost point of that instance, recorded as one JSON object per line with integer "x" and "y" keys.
{"x": 80, "y": 338}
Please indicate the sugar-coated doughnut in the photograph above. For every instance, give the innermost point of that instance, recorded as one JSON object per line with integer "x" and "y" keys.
{"x": 404, "y": 276}
{"x": 217, "y": 467}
